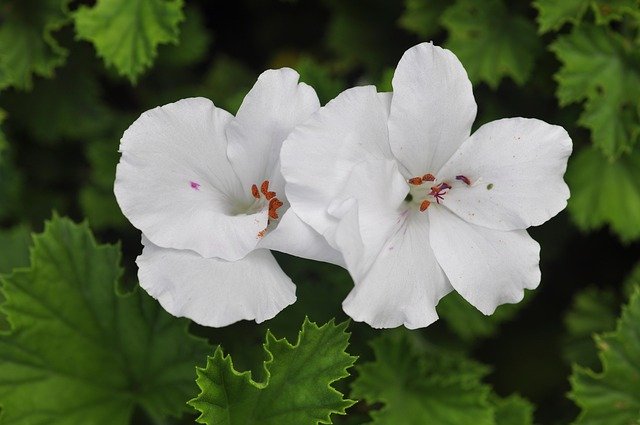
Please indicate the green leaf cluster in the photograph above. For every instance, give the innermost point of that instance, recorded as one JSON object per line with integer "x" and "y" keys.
{"x": 436, "y": 386}
{"x": 295, "y": 388}
{"x": 612, "y": 396}
{"x": 77, "y": 352}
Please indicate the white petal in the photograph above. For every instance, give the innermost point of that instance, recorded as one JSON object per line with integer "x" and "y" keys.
{"x": 318, "y": 157}
{"x": 522, "y": 161}
{"x": 273, "y": 107}
{"x": 487, "y": 267}
{"x": 404, "y": 284}
{"x": 370, "y": 208}
{"x": 215, "y": 292}
{"x": 432, "y": 108}
{"x": 175, "y": 183}
{"x": 293, "y": 236}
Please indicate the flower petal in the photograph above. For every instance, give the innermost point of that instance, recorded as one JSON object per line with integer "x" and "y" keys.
{"x": 215, "y": 292}
{"x": 295, "y": 237}
{"x": 175, "y": 183}
{"x": 274, "y": 106}
{"x": 515, "y": 166}
{"x": 432, "y": 108}
{"x": 318, "y": 157}
{"x": 404, "y": 284}
{"x": 487, "y": 267}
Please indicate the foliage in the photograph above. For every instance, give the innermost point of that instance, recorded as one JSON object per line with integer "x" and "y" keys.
{"x": 613, "y": 396}
{"x": 296, "y": 386}
{"x": 79, "y": 353}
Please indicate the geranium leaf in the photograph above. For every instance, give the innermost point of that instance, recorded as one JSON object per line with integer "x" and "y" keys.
{"x": 126, "y": 33}
{"x": 612, "y": 397}
{"x": 26, "y": 41}
{"x": 553, "y": 14}
{"x": 491, "y": 42}
{"x": 296, "y": 389}
{"x": 79, "y": 353}
{"x": 605, "y": 192}
{"x": 513, "y": 410}
{"x": 601, "y": 68}
{"x": 436, "y": 387}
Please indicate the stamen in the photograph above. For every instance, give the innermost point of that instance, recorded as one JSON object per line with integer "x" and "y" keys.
{"x": 194, "y": 185}
{"x": 254, "y": 191}
{"x": 464, "y": 179}
{"x": 416, "y": 181}
{"x": 264, "y": 187}
{"x": 428, "y": 177}
{"x": 439, "y": 191}
{"x": 274, "y": 204}
{"x": 424, "y": 205}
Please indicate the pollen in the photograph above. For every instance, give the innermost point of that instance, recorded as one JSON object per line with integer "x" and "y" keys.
{"x": 424, "y": 205}
{"x": 274, "y": 204}
{"x": 416, "y": 181}
{"x": 428, "y": 177}
{"x": 464, "y": 179}
{"x": 254, "y": 191}
{"x": 264, "y": 188}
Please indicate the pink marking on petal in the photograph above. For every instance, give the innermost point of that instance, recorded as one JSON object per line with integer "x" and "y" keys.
{"x": 194, "y": 185}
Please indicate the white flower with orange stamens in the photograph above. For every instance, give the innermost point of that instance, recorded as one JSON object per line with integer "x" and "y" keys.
{"x": 416, "y": 204}
{"x": 205, "y": 189}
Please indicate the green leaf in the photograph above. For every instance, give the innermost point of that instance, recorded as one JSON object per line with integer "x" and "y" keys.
{"x": 296, "y": 388}
{"x": 603, "y": 69}
{"x": 491, "y": 42}
{"x": 26, "y": 40}
{"x": 632, "y": 281}
{"x": 469, "y": 323}
{"x": 605, "y": 192}
{"x": 553, "y": 14}
{"x": 423, "y": 16}
{"x": 78, "y": 352}
{"x": 612, "y": 397}
{"x": 513, "y": 410}
{"x": 593, "y": 311}
{"x": 437, "y": 387}
{"x": 126, "y": 33}
{"x": 14, "y": 249}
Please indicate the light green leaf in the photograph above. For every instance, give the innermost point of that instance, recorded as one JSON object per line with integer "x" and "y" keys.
{"x": 605, "y": 192}
{"x": 593, "y": 311}
{"x": 423, "y": 16}
{"x": 436, "y": 387}
{"x": 27, "y": 45}
{"x": 491, "y": 42}
{"x": 126, "y": 33}
{"x": 77, "y": 352}
{"x": 601, "y": 67}
{"x": 296, "y": 386}
{"x": 553, "y": 14}
{"x": 612, "y": 397}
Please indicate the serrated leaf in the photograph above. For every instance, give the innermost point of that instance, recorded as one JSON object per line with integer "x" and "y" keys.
{"x": 27, "y": 46}
{"x": 126, "y": 33}
{"x": 592, "y": 311}
{"x": 423, "y": 16}
{"x": 553, "y": 14}
{"x": 296, "y": 388}
{"x": 79, "y": 353}
{"x": 437, "y": 387}
{"x": 601, "y": 68}
{"x": 491, "y": 42}
{"x": 605, "y": 192}
{"x": 612, "y": 397}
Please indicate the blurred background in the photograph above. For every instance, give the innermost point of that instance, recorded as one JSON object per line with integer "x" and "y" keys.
{"x": 73, "y": 78}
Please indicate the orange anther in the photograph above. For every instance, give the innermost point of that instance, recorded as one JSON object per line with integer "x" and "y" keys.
{"x": 274, "y": 204}
{"x": 264, "y": 187}
{"x": 415, "y": 181}
{"x": 424, "y": 205}
{"x": 428, "y": 177}
{"x": 269, "y": 195}
{"x": 254, "y": 191}
{"x": 261, "y": 233}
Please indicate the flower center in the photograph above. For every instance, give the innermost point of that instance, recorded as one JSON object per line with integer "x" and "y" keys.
{"x": 270, "y": 197}
{"x": 426, "y": 189}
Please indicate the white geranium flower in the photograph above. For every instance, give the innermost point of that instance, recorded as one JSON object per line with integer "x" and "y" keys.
{"x": 205, "y": 189}
{"x": 417, "y": 205}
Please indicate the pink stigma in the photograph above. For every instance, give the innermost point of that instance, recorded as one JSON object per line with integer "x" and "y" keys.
{"x": 194, "y": 185}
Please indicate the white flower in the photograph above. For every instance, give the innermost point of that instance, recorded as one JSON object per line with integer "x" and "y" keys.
{"x": 416, "y": 205}
{"x": 205, "y": 189}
